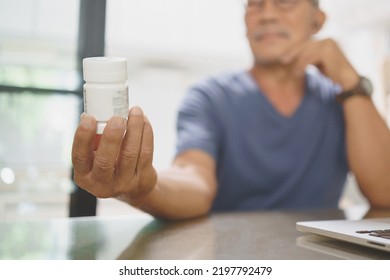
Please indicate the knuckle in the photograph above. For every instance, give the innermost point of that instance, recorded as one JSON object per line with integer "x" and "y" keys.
{"x": 78, "y": 159}
{"x": 104, "y": 190}
{"x": 330, "y": 43}
{"x": 129, "y": 154}
{"x": 101, "y": 193}
{"x": 328, "y": 40}
{"x": 102, "y": 178}
{"x": 80, "y": 181}
{"x": 103, "y": 164}
{"x": 146, "y": 154}
{"x": 96, "y": 188}
{"x": 91, "y": 187}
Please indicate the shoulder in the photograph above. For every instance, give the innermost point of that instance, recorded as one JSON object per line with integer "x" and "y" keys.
{"x": 221, "y": 83}
{"x": 214, "y": 95}
{"x": 219, "y": 88}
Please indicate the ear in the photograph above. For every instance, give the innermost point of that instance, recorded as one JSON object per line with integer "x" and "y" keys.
{"x": 318, "y": 21}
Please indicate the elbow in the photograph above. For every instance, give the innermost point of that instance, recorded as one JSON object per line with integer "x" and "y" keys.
{"x": 209, "y": 198}
{"x": 202, "y": 207}
{"x": 376, "y": 189}
{"x": 380, "y": 198}
{"x": 379, "y": 203}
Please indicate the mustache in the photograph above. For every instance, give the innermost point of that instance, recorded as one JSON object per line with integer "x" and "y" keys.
{"x": 260, "y": 33}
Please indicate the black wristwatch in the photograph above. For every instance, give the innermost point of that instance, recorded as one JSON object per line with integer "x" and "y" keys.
{"x": 363, "y": 88}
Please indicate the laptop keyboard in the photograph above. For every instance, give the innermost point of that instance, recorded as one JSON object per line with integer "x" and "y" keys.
{"x": 383, "y": 233}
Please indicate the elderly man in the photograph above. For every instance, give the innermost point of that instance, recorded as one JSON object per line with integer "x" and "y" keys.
{"x": 276, "y": 136}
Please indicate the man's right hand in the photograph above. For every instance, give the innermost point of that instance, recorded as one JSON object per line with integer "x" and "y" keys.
{"x": 121, "y": 166}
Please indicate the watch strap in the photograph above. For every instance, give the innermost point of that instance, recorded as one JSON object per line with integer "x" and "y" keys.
{"x": 363, "y": 88}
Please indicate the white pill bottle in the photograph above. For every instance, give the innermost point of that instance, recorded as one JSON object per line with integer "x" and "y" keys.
{"x": 105, "y": 90}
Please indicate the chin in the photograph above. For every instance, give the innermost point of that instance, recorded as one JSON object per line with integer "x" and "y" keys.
{"x": 267, "y": 61}
{"x": 269, "y": 55}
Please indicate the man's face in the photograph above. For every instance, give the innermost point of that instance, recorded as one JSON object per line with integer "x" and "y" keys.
{"x": 273, "y": 31}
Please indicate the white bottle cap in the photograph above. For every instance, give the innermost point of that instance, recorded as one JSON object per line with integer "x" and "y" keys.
{"x": 104, "y": 69}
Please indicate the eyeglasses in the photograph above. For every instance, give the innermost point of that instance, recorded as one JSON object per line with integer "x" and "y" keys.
{"x": 281, "y": 4}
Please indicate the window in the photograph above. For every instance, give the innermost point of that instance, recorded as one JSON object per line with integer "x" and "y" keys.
{"x": 39, "y": 105}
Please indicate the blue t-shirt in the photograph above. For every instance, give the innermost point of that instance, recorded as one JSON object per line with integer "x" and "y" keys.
{"x": 264, "y": 159}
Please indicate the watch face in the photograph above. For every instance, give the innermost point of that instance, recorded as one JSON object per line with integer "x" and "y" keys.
{"x": 366, "y": 85}
{"x": 364, "y": 88}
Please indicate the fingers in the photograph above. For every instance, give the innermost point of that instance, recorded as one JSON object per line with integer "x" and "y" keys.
{"x": 145, "y": 159}
{"x": 129, "y": 153}
{"x": 308, "y": 56}
{"x": 136, "y": 156}
{"x": 82, "y": 150}
{"x": 301, "y": 56}
{"x": 122, "y": 163}
{"x": 292, "y": 54}
{"x": 148, "y": 175}
{"x": 104, "y": 163}
{"x": 325, "y": 55}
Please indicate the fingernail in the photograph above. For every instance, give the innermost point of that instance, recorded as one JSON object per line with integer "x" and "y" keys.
{"x": 116, "y": 122}
{"x": 86, "y": 120}
{"x": 136, "y": 111}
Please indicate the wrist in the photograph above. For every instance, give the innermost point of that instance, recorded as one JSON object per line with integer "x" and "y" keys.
{"x": 142, "y": 194}
{"x": 138, "y": 201}
{"x": 349, "y": 81}
{"x": 362, "y": 88}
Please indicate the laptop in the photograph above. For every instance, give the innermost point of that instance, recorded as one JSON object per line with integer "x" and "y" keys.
{"x": 374, "y": 233}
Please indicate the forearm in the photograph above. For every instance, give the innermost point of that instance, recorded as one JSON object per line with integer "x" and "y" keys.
{"x": 368, "y": 148}
{"x": 180, "y": 193}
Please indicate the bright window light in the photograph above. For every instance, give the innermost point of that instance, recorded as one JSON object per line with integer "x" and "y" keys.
{"x": 7, "y": 175}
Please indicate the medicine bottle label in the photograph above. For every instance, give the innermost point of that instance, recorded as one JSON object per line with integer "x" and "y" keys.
{"x": 120, "y": 102}
{"x": 103, "y": 104}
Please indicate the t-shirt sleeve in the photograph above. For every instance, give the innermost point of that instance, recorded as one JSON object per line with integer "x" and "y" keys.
{"x": 197, "y": 126}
